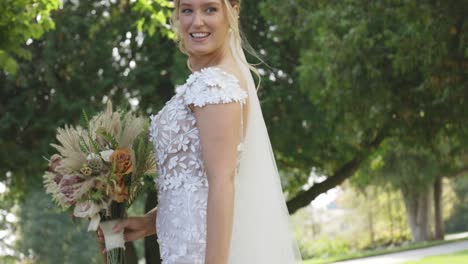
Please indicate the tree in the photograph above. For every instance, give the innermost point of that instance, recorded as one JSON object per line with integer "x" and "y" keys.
{"x": 47, "y": 235}
{"x": 452, "y": 156}
{"x": 417, "y": 173}
{"x": 413, "y": 172}
{"x": 96, "y": 53}
{"x": 369, "y": 71}
{"x": 376, "y": 212}
{"x": 457, "y": 222}
{"x": 22, "y": 20}
{"x": 344, "y": 76}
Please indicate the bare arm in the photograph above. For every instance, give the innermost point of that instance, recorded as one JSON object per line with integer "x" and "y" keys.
{"x": 219, "y": 126}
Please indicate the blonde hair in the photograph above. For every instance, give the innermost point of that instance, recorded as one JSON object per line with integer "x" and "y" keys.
{"x": 240, "y": 41}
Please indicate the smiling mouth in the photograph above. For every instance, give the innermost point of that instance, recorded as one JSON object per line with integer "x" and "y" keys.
{"x": 199, "y": 35}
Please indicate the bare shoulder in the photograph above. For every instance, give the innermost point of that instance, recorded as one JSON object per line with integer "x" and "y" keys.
{"x": 236, "y": 72}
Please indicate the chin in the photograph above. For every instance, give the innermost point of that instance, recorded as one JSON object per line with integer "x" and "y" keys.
{"x": 200, "y": 51}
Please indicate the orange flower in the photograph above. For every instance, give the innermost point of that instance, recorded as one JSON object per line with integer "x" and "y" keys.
{"x": 100, "y": 185}
{"x": 122, "y": 158}
{"x": 120, "y": 192}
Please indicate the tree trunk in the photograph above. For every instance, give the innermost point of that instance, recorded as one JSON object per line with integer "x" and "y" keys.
{"x": 152, "y": 254}
{"x": 390, "y": 215}
{"x": 438, "y": 215}
{"x": 417, "y": 203}
{"x": 400, "y": 222}
{"x": 370, "y": 219}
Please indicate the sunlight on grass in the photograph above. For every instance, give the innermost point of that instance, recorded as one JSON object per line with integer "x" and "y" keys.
{"x": 356, "y": 255}
{"x": 454, "y": 258}
{"x": 318, "y": 261}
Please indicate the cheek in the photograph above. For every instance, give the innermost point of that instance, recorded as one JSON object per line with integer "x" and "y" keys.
{"x": 184, "y": 24}
{"x": 220, "y": 25}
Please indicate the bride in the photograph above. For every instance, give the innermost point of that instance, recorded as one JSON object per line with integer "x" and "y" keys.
{"x": 219, "y": 193}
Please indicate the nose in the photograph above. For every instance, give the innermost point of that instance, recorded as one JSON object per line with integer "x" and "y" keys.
{"x": 197, "y": 20}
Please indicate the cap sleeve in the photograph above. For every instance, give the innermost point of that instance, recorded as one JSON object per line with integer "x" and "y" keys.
{"x": 212, "y": 86}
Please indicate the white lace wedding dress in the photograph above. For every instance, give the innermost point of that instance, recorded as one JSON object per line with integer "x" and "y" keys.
{"x": 182, "y": 182}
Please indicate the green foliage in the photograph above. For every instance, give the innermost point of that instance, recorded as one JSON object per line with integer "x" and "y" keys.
{"x": 364, "y": 69}
{"x": 66, "y": 242}
{"x": 360, "y": 220}
{"x": 73, "y": 69}
{"x": 141, "y": 175}
{"x": 108, "y": 137}
{"x": 458, "y": 220}
{"x": 341, "y": 73}
{"x": 293, "y": 122}
{"x": 401, "y": 166}
{"x": 20, "y": 21}
{"x": 8, "y": 259}
{"x": 380, "y": 212}
{"x": 323, "y": 247}
{"x": 154, "y": 15}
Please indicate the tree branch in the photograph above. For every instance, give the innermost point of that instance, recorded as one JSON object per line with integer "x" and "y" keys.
{"x": 304, "y": 198}
{"x": 457, "y": 173}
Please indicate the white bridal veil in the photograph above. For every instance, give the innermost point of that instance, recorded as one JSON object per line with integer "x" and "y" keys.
{"x": 261, "y": 231}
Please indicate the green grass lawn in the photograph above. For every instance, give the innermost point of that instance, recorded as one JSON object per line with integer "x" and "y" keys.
{"x": 321, "y": 261}
{"x": 387, "y": 251}
{"x": 454, "y": 258}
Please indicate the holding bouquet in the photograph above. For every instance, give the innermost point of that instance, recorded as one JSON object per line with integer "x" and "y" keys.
{"x": 99, "y": 171}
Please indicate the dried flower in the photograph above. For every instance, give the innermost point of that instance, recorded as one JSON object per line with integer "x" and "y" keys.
{"x": 91, "y": 182}
{"x": 120, "y": 192}
{"x": 122, "y": 159}
{"x": 95, "y": 164}
{"x": 99, "y": 185}
{"x": 106, "y": 155}
{"x": 55, "y": 162}
{"x": 86, "y": 171}
{"x": 57, "y": 178}
{"x": 72, "y": 187}
{"x": 86, "y": 209}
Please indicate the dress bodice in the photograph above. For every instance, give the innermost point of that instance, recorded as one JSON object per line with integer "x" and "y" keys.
{"x": 175, "y": 135}
{"x": 182, "y": 182}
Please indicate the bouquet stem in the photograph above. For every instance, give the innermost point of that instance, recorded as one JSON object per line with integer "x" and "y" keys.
{"x": 114, "y": 242}
{"x": 116, "y": 255}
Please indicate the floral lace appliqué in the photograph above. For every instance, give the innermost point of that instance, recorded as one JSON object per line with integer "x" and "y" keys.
{"x": 182, "y": 182}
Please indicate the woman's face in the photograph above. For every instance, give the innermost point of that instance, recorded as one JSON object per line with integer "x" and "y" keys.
{"x": 204, "y": 25}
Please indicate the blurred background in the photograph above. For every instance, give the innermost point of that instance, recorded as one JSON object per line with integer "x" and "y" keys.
{"x": 366, "y": 104}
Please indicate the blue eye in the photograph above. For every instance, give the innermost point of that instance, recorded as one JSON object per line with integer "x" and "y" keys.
{"x": 211, "y": 9}
{"x": 186, "y": 10}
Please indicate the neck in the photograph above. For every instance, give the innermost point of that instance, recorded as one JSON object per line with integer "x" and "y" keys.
{"x": 219, "y": 57}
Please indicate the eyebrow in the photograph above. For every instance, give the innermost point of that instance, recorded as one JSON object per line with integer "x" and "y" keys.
{"x": 205, "y": 4}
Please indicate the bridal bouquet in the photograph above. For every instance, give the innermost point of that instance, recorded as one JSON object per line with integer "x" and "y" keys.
{"x": 100, "y": 169}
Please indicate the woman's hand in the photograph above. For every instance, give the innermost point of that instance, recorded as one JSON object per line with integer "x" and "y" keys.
{"x": 135, "y": 227}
